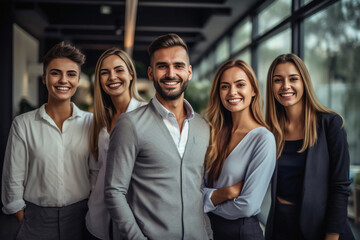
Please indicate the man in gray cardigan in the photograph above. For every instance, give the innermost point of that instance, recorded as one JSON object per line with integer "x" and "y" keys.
{"x": 155, "y": 159}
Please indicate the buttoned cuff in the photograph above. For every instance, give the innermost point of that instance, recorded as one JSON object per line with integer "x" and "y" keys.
{"x": 14, "y": 207}
{"x": 208, "y": 205}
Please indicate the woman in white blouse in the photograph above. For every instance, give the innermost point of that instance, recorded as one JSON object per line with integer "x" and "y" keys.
{"x": 47, "y": 170}
{"x": 241, "y": 157}
{"x": 115, "y": 93}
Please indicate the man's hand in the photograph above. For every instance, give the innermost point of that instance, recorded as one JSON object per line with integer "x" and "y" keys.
{"x": 20, "y": 215}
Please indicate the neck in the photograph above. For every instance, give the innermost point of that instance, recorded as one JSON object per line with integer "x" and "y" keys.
{"x": 58, "y": 109}
{"x": 295, "y": 114}
{"x": 121, "y": 102}
{"x": 243, "y": 120}
{"x": 175, "y": 106}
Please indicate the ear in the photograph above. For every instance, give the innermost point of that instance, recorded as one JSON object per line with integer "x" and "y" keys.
{"x": 190, "y": 72}
{"x": 150, "y": 73}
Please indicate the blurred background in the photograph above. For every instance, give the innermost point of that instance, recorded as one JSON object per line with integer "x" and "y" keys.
{"x": 324, "y": 33}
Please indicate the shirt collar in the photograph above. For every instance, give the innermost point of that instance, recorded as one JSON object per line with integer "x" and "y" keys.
{"x": 165, "y": 113}
{"x": 76, "y": 112}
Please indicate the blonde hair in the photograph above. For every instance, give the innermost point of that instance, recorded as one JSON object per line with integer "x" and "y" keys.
{"x": 220, "y": 121}
{"x": 275, "y": 112}
{"x": 104, "y": 108}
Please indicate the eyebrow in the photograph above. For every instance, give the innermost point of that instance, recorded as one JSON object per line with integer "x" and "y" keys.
{"x": 236, "y": 81}
{"x": 58, "y": 70}
{"x": 105, "y": 69}
{"x": 291, "y": 75}
{"x": 175, "y": 63}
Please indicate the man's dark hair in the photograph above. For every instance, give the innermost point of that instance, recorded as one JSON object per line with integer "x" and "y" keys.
{"x": 166, "y": 41}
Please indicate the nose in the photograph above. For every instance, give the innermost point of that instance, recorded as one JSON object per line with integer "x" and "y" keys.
{"x": 63, "y": 78}
{"x": 233, "y": 90}
{"x": 170, "y": 72}
{"x": 286, "y": 84}
{"x": 112, "y": 75}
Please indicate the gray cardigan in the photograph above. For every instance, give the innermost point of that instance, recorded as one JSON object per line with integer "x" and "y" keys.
{"x": 150, "y": 191}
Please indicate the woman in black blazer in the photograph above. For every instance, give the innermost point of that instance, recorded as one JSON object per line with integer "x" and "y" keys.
{"x": 310, "y": 184}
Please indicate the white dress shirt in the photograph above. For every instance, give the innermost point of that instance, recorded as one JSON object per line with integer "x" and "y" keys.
{"x": 98, "y": 218}
{"x": 45, "y": 166}
{"x": 180, "y": 138}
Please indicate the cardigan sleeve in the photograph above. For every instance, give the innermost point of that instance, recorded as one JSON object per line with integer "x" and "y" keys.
{"x": 338, "y": 175}
{"x": 119, "y": 167}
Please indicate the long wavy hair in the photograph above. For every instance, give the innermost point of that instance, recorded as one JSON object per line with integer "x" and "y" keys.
{"x": 104, "y": 108}
{"x": 276, "y": 114}
{"x": 220, "y": 120}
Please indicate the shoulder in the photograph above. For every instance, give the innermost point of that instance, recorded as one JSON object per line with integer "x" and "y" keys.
{"x": 85, "y": 118}
{"x": 199, "y": 124}
{"x": 86, "y": 115}
{"x": 26, "y": 118}
{"x": 200, "y": 119}
{"x": 330, "y": 121}
{"x": 134, "y": 118}
{"x": 262, "y": 134}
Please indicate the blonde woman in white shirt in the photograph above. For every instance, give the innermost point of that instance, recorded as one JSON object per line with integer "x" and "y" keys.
{"x": 115, "y": 93}
{"x": 47, "y": 169}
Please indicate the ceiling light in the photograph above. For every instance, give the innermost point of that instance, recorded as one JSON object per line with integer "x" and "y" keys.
{"x": 105, "y": 10}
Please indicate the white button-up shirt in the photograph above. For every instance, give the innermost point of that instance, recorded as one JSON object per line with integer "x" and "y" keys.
{"x": 180, "y": 138}
{"x": 45, "y": 166}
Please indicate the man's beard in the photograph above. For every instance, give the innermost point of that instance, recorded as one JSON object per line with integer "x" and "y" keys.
{"x": 171, "y": 95}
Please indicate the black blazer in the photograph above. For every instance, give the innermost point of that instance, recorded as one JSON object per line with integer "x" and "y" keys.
{"x": 326, "y": 184}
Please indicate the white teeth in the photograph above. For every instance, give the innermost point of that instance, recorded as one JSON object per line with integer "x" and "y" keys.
{"x": 115, "y": 85}
{"x": 234, "y": 100}
{"x": 287, "y": 94}
{"x": 170, "y": 83}
{"x": 63, "y": 88}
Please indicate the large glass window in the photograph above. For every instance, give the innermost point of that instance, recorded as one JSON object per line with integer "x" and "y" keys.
{"x": 222, "y": 51}
{"x": 245, "y": 56}
{"x": 307, "y": 1}
{"x": 267, "y": 52}
{"x": 273, "y": 15}
{"x": 332, "y": 55}
{"x": 241, "y": 36}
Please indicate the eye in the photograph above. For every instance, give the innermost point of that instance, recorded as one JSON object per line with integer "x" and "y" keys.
{"x": 293, "y": 79}
{"x": 277, "y": 80}
{"x": 224, "y": 86}
{"x": 179, "y": 66}
{"x": 103, "y": 73}
{"x": 161, "y": 66}
{"x": 240, "y": 85}
{"x": 54, "y": 73}
{"x": 72, "y": 74}
{"x": 119, "y": 70}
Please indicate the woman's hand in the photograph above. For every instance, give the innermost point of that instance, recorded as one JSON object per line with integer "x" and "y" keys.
{"x": 227, "y": 193}
{"x": 20, "y": 215}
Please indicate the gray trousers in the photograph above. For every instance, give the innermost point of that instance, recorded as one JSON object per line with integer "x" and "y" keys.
{"x": 53, "y": 223}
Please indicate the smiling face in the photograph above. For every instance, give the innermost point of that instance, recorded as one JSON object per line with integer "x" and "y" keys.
{"x": 115, "y": 77}
{"x": 170, "y": 72}
{"x": 236, "y": 91}
{"x": 288, "y": 86}
{"x": 61, "y": 77}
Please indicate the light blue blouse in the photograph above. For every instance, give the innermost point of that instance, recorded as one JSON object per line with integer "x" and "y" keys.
{"x": 252, "y": 160}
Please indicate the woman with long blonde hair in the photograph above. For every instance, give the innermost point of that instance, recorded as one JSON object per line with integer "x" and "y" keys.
{"x": 310, "y": 184}
{"x": 241, "y": 157}
{"x": 115, "y": 93}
